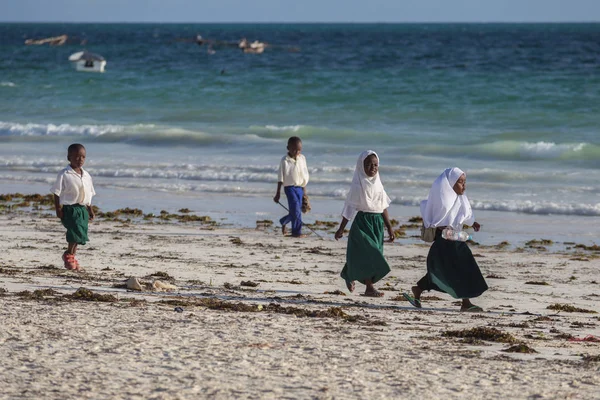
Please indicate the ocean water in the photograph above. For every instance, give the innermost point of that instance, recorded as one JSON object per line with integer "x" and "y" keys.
{"x": 517, "y": 106}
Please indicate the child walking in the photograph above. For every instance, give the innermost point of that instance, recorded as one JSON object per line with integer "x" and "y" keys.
{"x": 367, "y": 203}
{"x": 293, "y": 176}
{"x": 73, "y": 192}
{"x": 451, "y": 267}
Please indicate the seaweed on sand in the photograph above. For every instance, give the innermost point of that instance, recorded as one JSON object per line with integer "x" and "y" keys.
{"x": 249, "y": 283}
{"x": 588, "y": 358}
{"x": 520, "y": 348}
{"x": 87, "y": 295}
{"x": 594, "y": 247}
{"x": 569, "y": 308}
{"x": 215, "y": 304}
{"x": 161, "y": 275}
{"x": 337, "y": 292}
{"x": 9, "y": 272}
{"x": 482, "y": 333}
{"x": 236, "y": 240}
{"x": 39, "y": 294}
{"x": 541, "y": 283}
{"x": 263, "y": 223}
{"x": 320, "y": 250}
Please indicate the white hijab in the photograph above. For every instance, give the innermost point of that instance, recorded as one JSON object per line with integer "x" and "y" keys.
{"x": 366, "y": 194}
{"x": 443, "y": 206}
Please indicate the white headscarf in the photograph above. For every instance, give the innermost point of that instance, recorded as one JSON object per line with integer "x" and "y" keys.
{"x": 443, "y": 206}
{"x": 366, "y": 194}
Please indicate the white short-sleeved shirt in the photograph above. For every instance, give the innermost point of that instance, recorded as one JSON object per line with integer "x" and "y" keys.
{"x": 73, "y": 188}
{"x": 293, "y": 172}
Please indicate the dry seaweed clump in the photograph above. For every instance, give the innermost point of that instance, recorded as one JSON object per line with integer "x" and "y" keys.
{"x": 87, "y": 295}
{"x": 520, "y": 348}
{"x": 39, "y": 294}
{"x": 332, "y": 312}
{"x": 3, "y": 291}
{"x": 541, "y": 242}
{"x": 215, "y": 304}
{"x": 336, "y": 292}
{"x": 589, "y": 358}
{"x": 541, "y": 283}
{"x": 594, "y": 247}
{"x": 264, "y": 222}
{"x": 249, "y": 283}
{"x": 160, "y": 275}
{"x": 482, "y": 333}
{"x": 569, "y": 308}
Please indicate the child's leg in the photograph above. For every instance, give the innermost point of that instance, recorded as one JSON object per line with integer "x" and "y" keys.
{"x": 72, "y": 248}
{"x": 296, "y": 210}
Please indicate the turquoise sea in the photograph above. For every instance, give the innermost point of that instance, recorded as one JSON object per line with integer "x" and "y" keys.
{"x": 517, "y": 106}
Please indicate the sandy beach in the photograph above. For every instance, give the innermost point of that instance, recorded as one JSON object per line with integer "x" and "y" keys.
{"x": 266, "y": 316}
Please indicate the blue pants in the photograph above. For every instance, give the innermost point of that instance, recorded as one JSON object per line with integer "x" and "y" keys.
{"x": 294, "y": 196}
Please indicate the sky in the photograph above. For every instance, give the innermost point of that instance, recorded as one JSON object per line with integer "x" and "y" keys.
{"x": 300, "y": 11}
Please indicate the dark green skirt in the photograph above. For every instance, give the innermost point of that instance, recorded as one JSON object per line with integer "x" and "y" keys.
{"x": 452, "y": 269}
{"x": 75, "y": 219}
{"x": 364, "y": 255}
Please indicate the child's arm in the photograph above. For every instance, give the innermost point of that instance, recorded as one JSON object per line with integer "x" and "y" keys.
{"x": 58, "y": 207}
{"x": 388, "y": 225}
{"x": 278, "y": 194}
{"x": 91, "y": 212}
{"x": 340, "y": 232}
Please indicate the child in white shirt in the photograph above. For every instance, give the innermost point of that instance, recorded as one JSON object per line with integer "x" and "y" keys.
{"x": 293, "y": 176}
{"x": 73, "y": 192}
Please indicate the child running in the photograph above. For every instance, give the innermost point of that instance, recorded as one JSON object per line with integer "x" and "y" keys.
{"x": 293, "y": 176}
{"x": 73, "y": 192}
{"x": 367, "y": 203}
{"x": 451, "y": 267}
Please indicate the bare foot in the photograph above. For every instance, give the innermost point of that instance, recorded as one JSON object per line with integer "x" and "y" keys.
{"x": 283, "y": 230}
{"x": 350, "y": 285}
{"x": 416, "y": 292}
{"x": 299, "y": 236}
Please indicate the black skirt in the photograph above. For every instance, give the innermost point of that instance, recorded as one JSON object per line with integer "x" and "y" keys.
{"x": 452, "y": 269}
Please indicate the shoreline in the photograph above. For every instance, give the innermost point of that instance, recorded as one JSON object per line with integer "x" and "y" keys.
{"x": 521, "y": 231}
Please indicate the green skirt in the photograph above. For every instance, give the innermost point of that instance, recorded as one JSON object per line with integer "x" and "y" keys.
{"x": 451, "y": 268}
{"x": 364, "y": 255}
{"x": 75, "y": 219}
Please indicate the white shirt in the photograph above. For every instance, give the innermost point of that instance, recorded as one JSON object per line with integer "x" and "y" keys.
{"x": 293, "y": 172}
{"x": 73, "y": 188}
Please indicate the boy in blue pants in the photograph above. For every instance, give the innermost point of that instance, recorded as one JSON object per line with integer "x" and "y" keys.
{"x": 293, "y": 176}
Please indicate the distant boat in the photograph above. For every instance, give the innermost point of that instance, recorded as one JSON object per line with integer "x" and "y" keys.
{"x": 88, "y": 62}
{"x": 52, "y": 41}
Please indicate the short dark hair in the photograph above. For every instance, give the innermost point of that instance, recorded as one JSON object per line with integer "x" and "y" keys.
{"x": 75, "y": 147}
{"x": 294, "y": 140}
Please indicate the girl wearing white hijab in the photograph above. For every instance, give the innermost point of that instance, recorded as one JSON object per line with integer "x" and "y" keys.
{"x": 367, "y": 203}
{"x": 451, "y": 267}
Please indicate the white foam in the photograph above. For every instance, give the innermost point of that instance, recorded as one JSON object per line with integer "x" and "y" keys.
{"x": 286, "y": 128}
{"x": 549, "y": 149}
{"x": 7, "y": 84}
{"x": 31, "y": 129}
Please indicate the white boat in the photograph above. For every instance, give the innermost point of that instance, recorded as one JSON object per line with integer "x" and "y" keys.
{"x": 88, "y": 62}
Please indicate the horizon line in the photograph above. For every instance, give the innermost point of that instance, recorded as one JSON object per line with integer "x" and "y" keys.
{"x": 304, "y": 22}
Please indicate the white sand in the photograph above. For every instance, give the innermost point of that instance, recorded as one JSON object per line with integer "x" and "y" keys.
{"x": 58, "y": 349}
